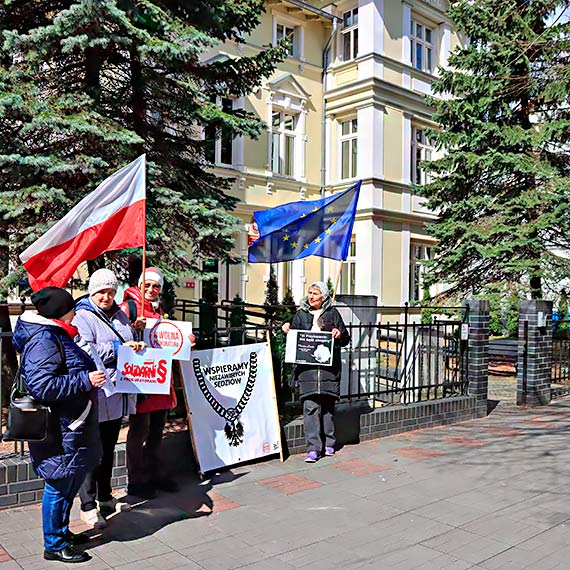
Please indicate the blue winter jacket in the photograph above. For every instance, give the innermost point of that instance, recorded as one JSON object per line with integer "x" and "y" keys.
{"x": 73, "y": 445}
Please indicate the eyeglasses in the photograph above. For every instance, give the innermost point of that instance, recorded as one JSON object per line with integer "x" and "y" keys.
{"x": 152, "y": 286}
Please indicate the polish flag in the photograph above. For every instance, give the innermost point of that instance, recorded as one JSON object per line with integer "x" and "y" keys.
{"x": 111, "y": 217}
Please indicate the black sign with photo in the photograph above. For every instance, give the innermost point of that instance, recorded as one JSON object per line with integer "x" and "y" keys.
{"x": 309, "y": 347}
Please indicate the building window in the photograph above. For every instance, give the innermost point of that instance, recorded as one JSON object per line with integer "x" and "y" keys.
{"x": 418, "y": 254}
{"x": 218, "y": 141}
{"x": 283, "y": 134}
{"x": 421, "y": 46}
{"x": 348, "y": 273}
{"x": 284, "y": 31}
{"x": 348, "y": 148}
{"x": 349, "y": 35}
{"x": 422, "y": 149}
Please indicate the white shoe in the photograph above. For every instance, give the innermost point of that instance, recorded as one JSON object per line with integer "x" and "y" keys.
{"x": 114, "y": 506}
{"x": 93, "y": 518}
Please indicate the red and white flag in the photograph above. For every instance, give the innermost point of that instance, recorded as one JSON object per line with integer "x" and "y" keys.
{"x": 111, "y": 217}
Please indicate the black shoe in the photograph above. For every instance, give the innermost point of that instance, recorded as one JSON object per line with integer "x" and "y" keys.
{"x": 141, "y": 491}
{"x": 167, "y": 485}
{"x": 79, "y": 538}
{"x": 67, "y": 554}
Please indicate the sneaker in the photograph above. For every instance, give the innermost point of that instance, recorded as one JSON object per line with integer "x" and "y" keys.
{"x": 311, "y": 457}
{"x": 113, "y": 505}
{"x": 93, "y": 518}
{"x": 329, "y": 451}
{"x": 141, "y": 491}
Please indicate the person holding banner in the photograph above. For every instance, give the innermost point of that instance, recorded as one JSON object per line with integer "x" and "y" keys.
{"x": 319, "y": 386}
{"x": 145, "y": 467}
{"x": 103, "y": 327}
{"x": 59, "y": 374}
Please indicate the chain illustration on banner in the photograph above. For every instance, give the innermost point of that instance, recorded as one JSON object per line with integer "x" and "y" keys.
{"x": 233, "y": 428}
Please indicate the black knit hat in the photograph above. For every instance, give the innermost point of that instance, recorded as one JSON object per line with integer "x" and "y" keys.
{"x": 53, "y": 302}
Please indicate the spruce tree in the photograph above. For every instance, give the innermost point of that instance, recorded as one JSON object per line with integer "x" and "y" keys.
{"x": 271, "y": 297}
{"x": 88, "y": 85}
{"x": 501, "y": 190}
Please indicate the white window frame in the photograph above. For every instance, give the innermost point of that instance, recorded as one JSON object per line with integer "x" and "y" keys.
{"x": 297, "y": 47}
{"x": 349, "y": 34}
{"x": 218, "y": 145}
{"x": 418, "y": 253}
{"x": 348, "y": 273}
{"x": 419, "y": 43}
{"x": 420, "y": 149}
{"x": 351, "y": 139}
{"x": 280, "y": 163}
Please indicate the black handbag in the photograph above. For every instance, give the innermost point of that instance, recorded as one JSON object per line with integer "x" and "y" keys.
{"x": 27, "y": 418}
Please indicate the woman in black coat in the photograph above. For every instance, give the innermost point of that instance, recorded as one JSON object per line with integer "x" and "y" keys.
{"x": 319, "y": 386}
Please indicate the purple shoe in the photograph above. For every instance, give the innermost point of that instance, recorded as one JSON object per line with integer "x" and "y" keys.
{"x": 311, "y": 457}
{"x": 329, "y": 451}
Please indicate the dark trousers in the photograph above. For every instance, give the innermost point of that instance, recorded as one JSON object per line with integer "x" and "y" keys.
{"x": 97, "y": 484}
{"x": 318, "y": 417}
{"x": 144, "y": 443}
{"x": 56, "y": 506}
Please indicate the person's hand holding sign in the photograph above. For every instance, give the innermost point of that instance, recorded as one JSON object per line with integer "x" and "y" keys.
{"x": 136, "y": 346}
{"x": 286, "y": 327}
{"x": 335, "y": 333}
{"x": 140, "y": 324}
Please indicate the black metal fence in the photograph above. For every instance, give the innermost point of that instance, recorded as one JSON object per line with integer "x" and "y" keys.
{"x": 560, "y": 353}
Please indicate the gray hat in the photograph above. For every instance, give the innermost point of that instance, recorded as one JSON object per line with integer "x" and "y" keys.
{"x": 102, "y": 279}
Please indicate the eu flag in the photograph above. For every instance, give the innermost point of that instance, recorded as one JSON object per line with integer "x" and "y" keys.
{"x": 299, "y": 229}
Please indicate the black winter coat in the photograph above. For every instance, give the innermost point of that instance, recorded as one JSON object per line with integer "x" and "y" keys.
{"x": 315, "y": 379}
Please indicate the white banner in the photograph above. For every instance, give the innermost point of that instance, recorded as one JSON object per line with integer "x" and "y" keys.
{"x": 233, "y": 410}
{"x": 144, "y": 372}
{"x": 172, "y": 336}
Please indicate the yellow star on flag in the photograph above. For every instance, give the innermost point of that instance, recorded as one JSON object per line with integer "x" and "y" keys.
{"x": 328, "y": 231}
{"x": 303, "y": 215}
{"x": 286, "y": 238}
{"x": 334, "y": 220}
{"x": 315, "y": 209}
{"x": 293, "y": 244}
{"x": 318, "y": 240}
{"x": 306, "y": 246}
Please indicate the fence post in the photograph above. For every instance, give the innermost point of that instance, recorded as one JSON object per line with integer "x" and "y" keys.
{"x": 478, "y": 351}
{"x": 534, "y": 364}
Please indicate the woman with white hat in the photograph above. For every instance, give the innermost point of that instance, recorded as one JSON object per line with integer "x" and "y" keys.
{"x": 103, "y": 327}
{"x": 146, "y": 472}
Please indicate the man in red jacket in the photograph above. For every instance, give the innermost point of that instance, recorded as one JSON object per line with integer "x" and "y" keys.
{"x": 144, "y": 440}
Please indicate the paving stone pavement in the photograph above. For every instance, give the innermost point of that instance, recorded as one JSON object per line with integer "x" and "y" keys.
{"x": 487, "y": 494}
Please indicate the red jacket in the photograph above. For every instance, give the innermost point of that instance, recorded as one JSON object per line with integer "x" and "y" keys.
{"x": 152, "y": 402}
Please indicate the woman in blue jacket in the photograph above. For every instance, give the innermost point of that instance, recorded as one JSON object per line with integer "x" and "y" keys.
{"x": 62, "y": 376}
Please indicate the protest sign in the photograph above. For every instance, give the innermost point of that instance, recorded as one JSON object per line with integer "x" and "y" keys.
{"x": 309, "y": 347}
{"x": 172, "y": 336}
{"x": 232, "y": 405}
{"x": 144, "y": 372}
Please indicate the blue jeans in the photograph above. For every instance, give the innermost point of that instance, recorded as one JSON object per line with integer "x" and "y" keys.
{"x": 56, "y": 506}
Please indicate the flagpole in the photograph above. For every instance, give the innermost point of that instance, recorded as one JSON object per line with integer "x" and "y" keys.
{"x": 337, "y": 279}
{"x": 143, "y": 283}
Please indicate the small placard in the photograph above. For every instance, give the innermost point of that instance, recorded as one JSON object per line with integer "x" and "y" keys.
{"x": 172, "y": 336}
{"x": 144, "y": 372}
{"x": 464, "y": 331}
{"x": 309, "y": 347}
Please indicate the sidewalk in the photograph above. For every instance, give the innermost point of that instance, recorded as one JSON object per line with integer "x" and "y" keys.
{"x": 485, "y": 494}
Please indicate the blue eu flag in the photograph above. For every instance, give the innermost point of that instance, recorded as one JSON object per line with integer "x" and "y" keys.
{"x": 299, "y": 229}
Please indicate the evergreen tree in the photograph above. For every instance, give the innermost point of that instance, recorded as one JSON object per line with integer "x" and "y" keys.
{"x": 502, "y": 188}
{"x": 271, "y": 297}
{"x": 287, "y": 308}
{"x": 88, "y": 85}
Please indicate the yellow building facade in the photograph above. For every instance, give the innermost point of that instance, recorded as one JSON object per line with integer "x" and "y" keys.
{"x": 348, "y": 104}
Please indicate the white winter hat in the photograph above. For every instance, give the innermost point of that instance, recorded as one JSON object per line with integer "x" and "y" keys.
{"x": 102, "y": 279}
{"x": 153, "y": 274}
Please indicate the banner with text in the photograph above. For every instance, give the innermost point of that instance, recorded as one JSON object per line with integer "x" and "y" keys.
{"x": 233, "y": 409}
{"x": 144, "y": 372}
{"x": 172, "y": 336}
